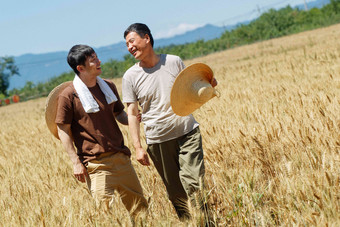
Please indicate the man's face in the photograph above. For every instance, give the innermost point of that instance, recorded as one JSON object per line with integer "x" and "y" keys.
{"x": 92, "y": 65}
{"x": 137, "y": 45}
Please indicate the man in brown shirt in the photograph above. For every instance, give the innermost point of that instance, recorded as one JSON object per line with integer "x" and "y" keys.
{"x": 86, "y": 115}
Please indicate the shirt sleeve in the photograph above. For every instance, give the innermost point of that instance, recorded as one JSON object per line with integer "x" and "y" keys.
{"x": 64, "y": 110}
{"x": 129, "y": 95}
{"x": 181, "y": 64}
{"x": 119, "y": 106}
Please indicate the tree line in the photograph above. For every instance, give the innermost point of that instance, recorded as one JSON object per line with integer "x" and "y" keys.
{"x": 271, "y": 24}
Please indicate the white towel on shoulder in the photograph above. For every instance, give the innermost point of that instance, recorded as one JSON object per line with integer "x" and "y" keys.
{"x": 89, "y": 103}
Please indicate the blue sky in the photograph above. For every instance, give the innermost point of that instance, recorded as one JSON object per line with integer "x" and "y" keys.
{"x": 42, "y": 26}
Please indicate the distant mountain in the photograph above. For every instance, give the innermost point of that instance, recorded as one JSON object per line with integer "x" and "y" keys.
{"x": 314, "y": 4}
{"x": 38, "y": 68}
{"x": 207, "y": 32}
{"x": 42, "y": 67}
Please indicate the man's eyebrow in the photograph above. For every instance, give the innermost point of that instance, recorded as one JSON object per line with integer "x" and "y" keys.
{"x": 93, "y": 56}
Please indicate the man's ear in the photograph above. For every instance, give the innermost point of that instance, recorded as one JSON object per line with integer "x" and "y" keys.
{"x": 80, "y": 68}
{"x": 147, "y": 37}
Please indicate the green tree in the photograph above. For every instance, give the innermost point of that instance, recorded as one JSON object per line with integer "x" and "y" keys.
{"x": 335, "y": 4}
{"x": 7, "y": 69}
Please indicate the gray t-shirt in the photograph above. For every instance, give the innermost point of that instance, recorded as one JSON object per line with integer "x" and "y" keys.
{"x": 151, "y": 87}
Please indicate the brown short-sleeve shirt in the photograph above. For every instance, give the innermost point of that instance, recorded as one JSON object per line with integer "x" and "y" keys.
{"x": 93, "y": 133}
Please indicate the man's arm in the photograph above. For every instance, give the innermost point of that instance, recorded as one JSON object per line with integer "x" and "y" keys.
{"x": 64, "y": 132}
{"x": 122, "y": 117}
{"x": 133, "y": 112}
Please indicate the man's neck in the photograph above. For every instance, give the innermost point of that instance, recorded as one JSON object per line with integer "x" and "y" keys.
{"x": 89, "y": 81}
{"x": 150, "y": 61}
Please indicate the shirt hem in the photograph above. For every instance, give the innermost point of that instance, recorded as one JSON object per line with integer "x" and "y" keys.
{"x": 155, "y": 141}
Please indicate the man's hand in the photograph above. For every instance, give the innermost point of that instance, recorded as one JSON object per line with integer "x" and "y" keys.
{"x": 139, "y": 117}
{"x": 80, "y": 172}
{"x": 213, "y": 82}
{"x": 142, "y": 157}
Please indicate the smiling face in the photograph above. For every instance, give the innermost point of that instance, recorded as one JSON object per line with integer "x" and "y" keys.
{"x": 138, "y": 46}
{"x": 92, "y": 66}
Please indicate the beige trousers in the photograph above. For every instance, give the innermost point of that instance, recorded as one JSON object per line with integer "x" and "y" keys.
{"x": 114, "y": 172}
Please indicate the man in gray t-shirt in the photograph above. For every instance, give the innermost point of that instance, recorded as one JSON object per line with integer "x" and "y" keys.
{"x": 151, "y": 88}
{"x": 174, "y": 142}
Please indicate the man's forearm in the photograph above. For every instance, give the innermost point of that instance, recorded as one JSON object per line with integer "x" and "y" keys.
{"x": 65, "y": 135}
{"x": 66, "y": 139}
{"x": 134, "y": 130}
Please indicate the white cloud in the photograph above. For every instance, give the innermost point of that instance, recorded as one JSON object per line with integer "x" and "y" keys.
{"x": 180, "y": 29}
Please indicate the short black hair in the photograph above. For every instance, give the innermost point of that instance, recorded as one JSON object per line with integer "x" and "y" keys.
{"x": 140, "y": 29}
{"x": 78, "y": 55}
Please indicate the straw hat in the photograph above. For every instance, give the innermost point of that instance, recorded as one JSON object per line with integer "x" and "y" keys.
{"x": 192, "y": 88}
{"x": 51, "y": 107}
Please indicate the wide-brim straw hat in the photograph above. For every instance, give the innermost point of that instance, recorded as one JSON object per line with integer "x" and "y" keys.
{"x": 192, "y": 88}
{"x": 51, "y": 107}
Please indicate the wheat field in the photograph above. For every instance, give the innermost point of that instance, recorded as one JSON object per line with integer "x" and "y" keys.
{"x": 271, "y": 143}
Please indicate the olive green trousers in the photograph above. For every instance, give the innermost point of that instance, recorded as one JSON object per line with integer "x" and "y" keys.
{"x": 180, "y": 164}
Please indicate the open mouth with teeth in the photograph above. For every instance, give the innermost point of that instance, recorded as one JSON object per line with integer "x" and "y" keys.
{"x": 133, "y": 52}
